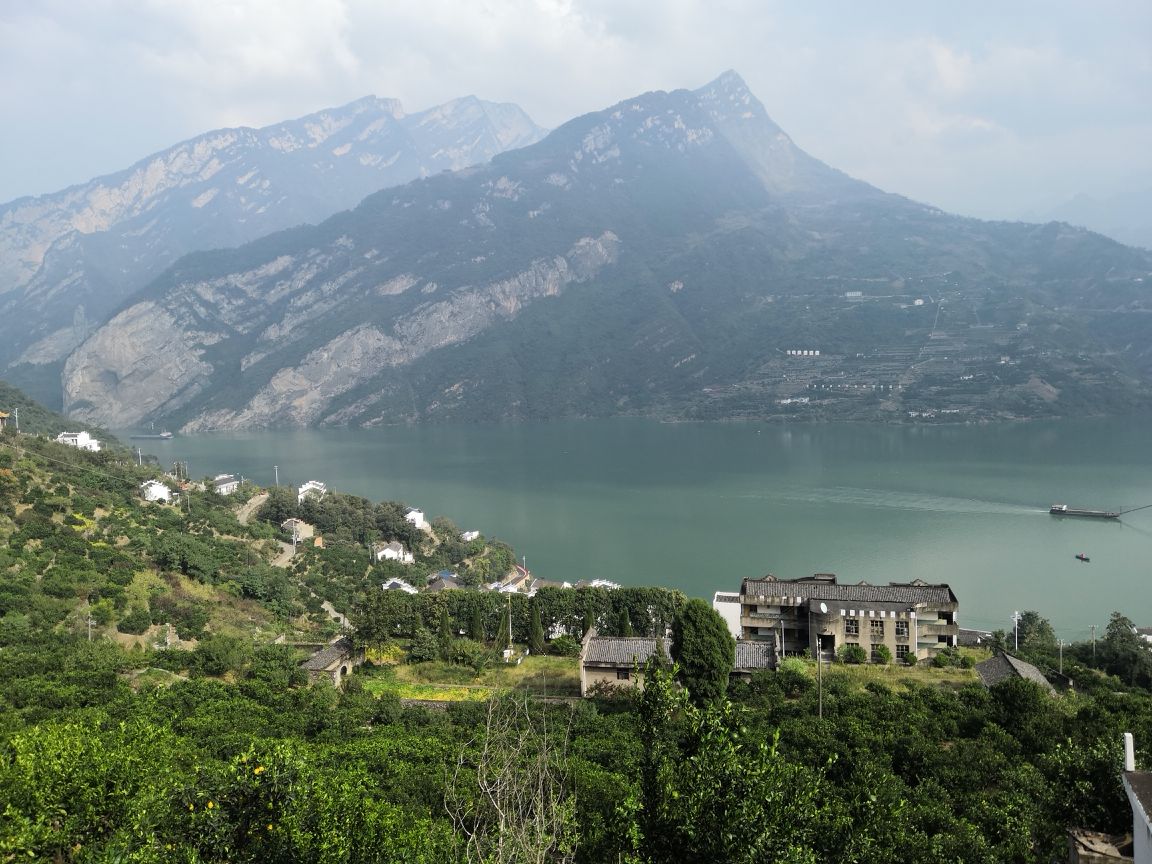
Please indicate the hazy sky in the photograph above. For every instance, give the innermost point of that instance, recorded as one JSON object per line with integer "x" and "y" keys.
{"x": 992, "y": 109}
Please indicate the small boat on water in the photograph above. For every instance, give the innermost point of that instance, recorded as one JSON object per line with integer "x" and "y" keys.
{"x": 161, "y": 435}
{"x": 1065, "y": 510}
{"x": 1080, "y": 556}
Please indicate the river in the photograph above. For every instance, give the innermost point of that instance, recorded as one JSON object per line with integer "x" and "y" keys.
{"x": 701, "y": 506}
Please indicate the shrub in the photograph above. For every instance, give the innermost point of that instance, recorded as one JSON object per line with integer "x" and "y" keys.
{"x": 853, "y": 654}
{"x": 135, "y": 622}
{"x": 881, "y": 655}
{"x": 565, "y": 646}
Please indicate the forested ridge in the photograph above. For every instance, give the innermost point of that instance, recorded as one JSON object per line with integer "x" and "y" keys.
{"x": 218, "y": 749}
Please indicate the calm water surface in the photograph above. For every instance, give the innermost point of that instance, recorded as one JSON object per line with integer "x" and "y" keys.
{"x": 700, "y": 506}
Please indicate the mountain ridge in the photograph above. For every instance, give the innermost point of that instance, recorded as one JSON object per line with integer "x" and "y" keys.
{"x": 92, "y": 244}
{"x": 663, "y": 255}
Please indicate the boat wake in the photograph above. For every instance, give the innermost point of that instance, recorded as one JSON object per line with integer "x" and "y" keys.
{"x": 894, "y": 500}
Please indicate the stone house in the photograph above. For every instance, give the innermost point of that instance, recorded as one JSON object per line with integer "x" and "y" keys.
{"x": 1004, "y": 666}
{"x": 616, "y": 661}
{"x": 753, "y": 657}
{"x": 334, "y": 662}
{"x": 297, "y": 529}
{"x": 816, "y": 615}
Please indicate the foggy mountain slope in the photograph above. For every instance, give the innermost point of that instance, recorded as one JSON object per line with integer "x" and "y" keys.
{"x": 68, "y": 258}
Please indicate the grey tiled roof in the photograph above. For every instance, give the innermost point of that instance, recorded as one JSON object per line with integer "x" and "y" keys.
{"x": 754, "y": 654}
{"x": 893, "y": 593}
{"x": 1004, "y": 666}
{"x": 622, "y": 650}
{"x": 325, "y": 657}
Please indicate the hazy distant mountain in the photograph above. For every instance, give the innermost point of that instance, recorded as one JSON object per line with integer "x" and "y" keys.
{"x": 675, "y": 254}
{"x": 1126, "y": 217}
{"x": 69, "y": 258}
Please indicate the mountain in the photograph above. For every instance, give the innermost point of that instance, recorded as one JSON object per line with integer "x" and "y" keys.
{"x": 69, "y": 258}
{"x": 674, "y": 255}
{"x": 1125, "y": 217}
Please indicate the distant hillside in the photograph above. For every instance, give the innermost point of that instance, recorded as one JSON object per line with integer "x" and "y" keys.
{"x": 673, "y": 255}
{"x": 68, "y": 258}
{"x": 35, "y": 419}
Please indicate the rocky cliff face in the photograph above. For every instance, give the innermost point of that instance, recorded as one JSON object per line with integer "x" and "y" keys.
{"x": 92, "y": 245}
{"x": 675, "y": 253}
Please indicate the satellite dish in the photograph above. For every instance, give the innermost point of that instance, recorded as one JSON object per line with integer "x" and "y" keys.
{"x": 823, "y": 608}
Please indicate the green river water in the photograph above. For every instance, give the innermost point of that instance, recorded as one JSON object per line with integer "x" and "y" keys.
{"x": 700, "y": 506}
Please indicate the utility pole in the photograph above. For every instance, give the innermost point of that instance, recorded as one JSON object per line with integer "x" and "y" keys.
{"x": 276, "y": 468}
{"x": 1093, "y": 643}
{"x": 1016, "y": 628}
{"x": 16, "y": 414}
{"x": 1061, "y": 656}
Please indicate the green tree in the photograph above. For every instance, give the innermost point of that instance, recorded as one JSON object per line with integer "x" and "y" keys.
{"x": 703, "y": 649}
{"x": 476, "y": 626}
{"x": 536, "y": 632}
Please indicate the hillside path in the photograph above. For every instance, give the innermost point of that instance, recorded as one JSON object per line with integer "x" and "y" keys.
{"x": 245, "y": 512}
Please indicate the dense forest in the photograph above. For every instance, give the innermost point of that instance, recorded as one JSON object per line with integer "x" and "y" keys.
{"x": 124, "y": 739}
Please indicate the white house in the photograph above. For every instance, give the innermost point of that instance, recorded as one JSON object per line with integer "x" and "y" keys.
{"x": 1138, "y": 785}
{"x": 314, "y": 488}
{"x": 154, "y": 490}
{"x": 80, "y": 440}
{"x": 394, "y": 551}
{"x": 469, "y": 536}
{"x": 728, "y": 605}
{"x": 225, "y": 484}
{"x": 395, "y": 584}
{"x": 416, "y": 517}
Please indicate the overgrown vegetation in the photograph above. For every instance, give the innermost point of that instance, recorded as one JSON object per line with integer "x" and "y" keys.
{"x": 217, "y": 749}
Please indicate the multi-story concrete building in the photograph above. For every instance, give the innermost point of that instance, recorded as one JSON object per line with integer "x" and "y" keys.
{"x": 817, "y": 614}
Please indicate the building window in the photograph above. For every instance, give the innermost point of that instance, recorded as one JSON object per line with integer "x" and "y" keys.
{"x": 901, "y": 629}
{"x": 876, "y": 627}
{"x": 623, "y": 674}
{"x": 901, "y": 652}
{"x": 876, "y": 646}
{"x": 851, "y": 626}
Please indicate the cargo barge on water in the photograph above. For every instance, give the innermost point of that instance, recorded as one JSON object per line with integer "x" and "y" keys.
{"x": 1065, "y": 510}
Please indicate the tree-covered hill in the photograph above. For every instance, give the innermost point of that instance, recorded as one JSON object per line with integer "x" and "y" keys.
{"x": 35, "y": 419}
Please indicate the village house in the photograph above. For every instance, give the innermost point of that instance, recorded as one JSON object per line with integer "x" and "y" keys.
{"x": 616, "y": 661}
{"x": 80, "y": 440}
{"x": 225, "y": 484}
{"x": 297, "y": 529}
{"x": 469, "y": 536}
{"x": 817, "y": 614}
{"x": 3, "y": 419}
{"x": 154, "y": 490}
{"x": 394, "y": 551}
{"x": 416, "y": 517}
{"x": 333, "y": 663}
{"x": 445, "y": 580}
{"x": 752, "y": 657}
{"x": 311, "y": 489}
{"x": 395, "y": 584}
{"x": 1002, "y": 667}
